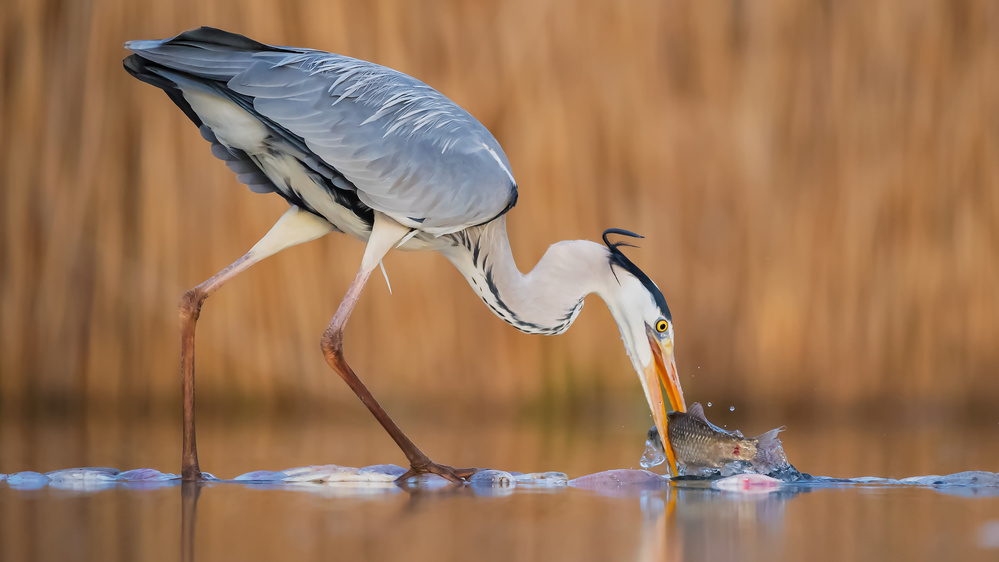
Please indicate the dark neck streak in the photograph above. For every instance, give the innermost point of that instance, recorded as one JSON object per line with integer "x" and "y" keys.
{"x": 544, "y": 301}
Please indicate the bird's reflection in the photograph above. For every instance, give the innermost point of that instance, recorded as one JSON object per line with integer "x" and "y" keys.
{"x": 190, "y": 491}
{"x": 421, "y": 495}
{"x": 690, "y": 520}
{"x": 701, "y": 523}
{"x": 680, "y": 521}
{"x": 655, "y": 542}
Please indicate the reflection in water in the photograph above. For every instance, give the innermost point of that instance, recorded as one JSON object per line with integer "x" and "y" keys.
{"x": 657, "y": 512}
{"x": 189, "y": 494}
{"x": 143, "y": 519}
{"x": 686, "y": 520}
{"x": 657, "y": 504}
{"x": 723, "y": 526}
{"x": 711, "y": 524}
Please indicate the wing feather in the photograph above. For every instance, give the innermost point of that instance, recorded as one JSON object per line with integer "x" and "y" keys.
{"x": 406, "y": 149}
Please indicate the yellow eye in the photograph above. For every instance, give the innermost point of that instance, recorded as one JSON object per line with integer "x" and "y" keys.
{"x": 662, "y": 325}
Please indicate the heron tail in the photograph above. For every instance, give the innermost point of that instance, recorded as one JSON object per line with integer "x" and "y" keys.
{"x": 202, "y": 60}
{"x": 204, "y": 52}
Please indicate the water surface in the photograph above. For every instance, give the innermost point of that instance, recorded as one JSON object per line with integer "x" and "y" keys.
{"x": 687, "y": 522}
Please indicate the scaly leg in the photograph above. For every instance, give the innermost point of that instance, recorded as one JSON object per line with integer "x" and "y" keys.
{"x": 384, "y": 235}
{"x": 294, "y": 227}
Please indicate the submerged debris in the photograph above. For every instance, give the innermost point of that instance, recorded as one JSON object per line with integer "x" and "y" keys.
{"x": 146, "y": 475}
{"x": 504, "y": 479}
{"x": 617, "y": 478}
{"x": 621, "y": 483}
{"x": 393, "y": 470}
{"x": 969, "y": 478}
{"x": 331, "y": 473}
{"x": 89, "y": 478}
{"x": 84, "y": 475}
{"x": 27, "y": 480}
{"x": 83, "y": 479}
{"x": 499, "y": 478}
{"x": 747, "y": 484}
{"x": 349, "y": 481}
{"x": 261, "y": 476}
{"x": 542, "y": 479}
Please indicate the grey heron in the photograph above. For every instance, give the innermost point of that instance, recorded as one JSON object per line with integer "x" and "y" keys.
{"x": 371, "y": 152}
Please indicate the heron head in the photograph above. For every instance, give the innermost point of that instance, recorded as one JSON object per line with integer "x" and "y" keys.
{"x": 646, "y": 327}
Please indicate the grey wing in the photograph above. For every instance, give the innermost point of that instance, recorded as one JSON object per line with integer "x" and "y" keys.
{"x": 410, "y": 152}
{"x": 247, "y": 172}
{"x": 403, "y": 148}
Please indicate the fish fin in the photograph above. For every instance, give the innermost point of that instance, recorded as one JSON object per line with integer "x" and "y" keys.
{"x": 770, "y": 436}
{"x": 769, "y": 450}
{"x": 697, "y": 411}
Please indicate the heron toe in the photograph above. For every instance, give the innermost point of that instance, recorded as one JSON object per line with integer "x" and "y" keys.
{"x": 449, "y": 472}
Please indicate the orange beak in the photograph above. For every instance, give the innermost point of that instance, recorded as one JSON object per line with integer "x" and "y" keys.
{"x": 661, "y": 373}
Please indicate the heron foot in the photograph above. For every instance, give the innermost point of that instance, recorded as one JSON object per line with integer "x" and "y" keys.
{"x": 194, "y": 474}
{"x": 442, "y": 470}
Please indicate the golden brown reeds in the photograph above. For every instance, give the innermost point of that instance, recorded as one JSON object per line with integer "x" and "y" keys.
{"x": 818, "y": 184}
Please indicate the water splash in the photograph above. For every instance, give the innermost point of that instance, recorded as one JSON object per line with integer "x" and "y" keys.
{"x": 654, "y": 454}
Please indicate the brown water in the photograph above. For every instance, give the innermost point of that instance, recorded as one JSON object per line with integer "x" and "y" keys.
{"x": 238, "y": 522}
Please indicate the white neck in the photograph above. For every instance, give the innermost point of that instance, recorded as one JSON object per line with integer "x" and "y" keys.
{"x": 548, "y": 298}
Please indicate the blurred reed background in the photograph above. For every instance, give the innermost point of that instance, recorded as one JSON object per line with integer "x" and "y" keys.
{"x": 818, "y": 184}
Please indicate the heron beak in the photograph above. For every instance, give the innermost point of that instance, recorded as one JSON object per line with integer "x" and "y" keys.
{"x": 661, "y": 372}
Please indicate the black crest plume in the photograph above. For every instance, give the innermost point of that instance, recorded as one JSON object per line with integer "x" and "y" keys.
{"x": 618, "y": 259}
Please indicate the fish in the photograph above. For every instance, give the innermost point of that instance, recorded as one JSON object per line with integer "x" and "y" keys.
{"x": 699, "y": 444}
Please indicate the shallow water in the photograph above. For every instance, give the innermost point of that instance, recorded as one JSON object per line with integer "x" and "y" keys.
{"x": 687, "y": 521}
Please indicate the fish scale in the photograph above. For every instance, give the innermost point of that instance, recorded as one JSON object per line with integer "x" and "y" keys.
{"x": 698, "y": 442}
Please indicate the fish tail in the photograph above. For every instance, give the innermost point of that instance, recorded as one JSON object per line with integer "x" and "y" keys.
{"x": 769, "y": 450}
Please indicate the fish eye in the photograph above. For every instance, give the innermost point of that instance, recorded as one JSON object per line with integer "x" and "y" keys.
{"x": 662, "y": 325}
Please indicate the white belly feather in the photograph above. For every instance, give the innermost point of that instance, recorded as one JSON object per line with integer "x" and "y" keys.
{"x": 236, "y": 128}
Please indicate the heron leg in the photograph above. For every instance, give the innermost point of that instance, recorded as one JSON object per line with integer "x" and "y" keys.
{"x": 190, "y": 310}
{"x": 384, "y": 235}
{"x": 294, "y": 227}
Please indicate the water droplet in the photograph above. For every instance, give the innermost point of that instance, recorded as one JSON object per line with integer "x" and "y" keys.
{"x": 731, "y": 408}
{"x": 709, "y": 404}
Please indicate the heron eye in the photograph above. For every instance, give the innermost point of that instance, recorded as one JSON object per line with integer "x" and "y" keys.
{"x": 661, "y": 326}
